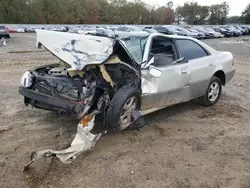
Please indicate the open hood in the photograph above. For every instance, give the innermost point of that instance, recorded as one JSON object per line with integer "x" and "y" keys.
{"x": 74, "y": 49}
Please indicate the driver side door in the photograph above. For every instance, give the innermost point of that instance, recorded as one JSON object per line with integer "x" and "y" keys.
{"x": 172, "y": 87}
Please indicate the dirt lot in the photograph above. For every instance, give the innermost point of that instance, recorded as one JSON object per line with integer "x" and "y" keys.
{"x": 182, "y": 146}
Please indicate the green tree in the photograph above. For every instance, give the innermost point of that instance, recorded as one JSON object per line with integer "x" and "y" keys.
{"x": 192, "y": 13}
{"x": 233, "y": 20}
{"x": 218, "y": 13}
{"x": 245, "y": 16}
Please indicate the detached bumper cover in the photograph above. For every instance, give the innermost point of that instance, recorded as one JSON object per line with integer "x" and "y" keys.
{"x": 69, "y": 106}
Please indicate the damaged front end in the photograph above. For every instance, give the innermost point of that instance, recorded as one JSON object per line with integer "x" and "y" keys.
{"x": 89, "y": 73}
{"x": 84, "y": 80}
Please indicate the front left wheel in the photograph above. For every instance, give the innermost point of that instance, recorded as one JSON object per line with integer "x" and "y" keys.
{"x": 125, "y": 101}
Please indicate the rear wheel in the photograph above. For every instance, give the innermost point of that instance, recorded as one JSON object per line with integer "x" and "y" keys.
{"x": 125, "y": 101}
{"x": 213, "y": 93}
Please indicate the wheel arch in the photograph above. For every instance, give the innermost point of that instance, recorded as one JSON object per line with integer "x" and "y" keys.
{"x": 221, "y": 75}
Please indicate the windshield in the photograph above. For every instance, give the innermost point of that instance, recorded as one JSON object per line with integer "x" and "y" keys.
{"x": 136, "y": 45}
{"x": 134, "y": 29}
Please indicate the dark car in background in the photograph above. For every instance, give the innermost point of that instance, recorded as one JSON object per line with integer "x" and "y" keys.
{"x": 223, "y": 31}
{"x": 150, "y": 30}
{"x": 243, "y": 31}
{"x": 164, "y": 30}
{"x": 236, "y": 32}
{"x": 247, "y": 28}
{"x": 4, "y": 32}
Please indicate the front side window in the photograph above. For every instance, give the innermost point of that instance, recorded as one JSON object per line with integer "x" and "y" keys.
{"x": 163, "y": 51}
{"x": 190, "y": 49}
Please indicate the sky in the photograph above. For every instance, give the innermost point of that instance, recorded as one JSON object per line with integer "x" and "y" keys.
{"x": 236, "y": 6}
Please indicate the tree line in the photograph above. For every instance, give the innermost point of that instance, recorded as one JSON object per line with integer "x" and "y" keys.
{"x": 109, "y": 12}
{"x": 83, "y": 12}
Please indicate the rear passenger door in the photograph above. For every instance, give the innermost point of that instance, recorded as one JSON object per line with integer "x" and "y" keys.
{"x": 200, "y": 63}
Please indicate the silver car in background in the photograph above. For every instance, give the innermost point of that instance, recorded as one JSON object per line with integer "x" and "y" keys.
{"x": 126, "y": 31}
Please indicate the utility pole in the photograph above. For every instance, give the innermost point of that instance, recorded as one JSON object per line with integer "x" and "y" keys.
{"x": 29, "y": 3}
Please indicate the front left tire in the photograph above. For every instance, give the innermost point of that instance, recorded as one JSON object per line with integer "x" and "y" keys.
{"x": 125, "y": 101}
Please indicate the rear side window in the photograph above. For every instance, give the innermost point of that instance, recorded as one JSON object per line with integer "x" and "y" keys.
{"x": 190, "y": 50}
{"x": 2, "y": 27}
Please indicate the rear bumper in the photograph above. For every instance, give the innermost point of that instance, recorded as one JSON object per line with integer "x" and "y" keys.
{"x": 48, "y": 102}
{"x": 230, "y": 75}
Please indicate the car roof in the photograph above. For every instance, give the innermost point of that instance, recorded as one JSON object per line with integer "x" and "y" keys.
{"x": 170, "y": 36}
{"x": 163, "y": 35}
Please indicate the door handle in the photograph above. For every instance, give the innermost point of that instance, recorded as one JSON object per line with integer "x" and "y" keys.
{"x": 184, "y": 71}
{"x": 211, "y": 64}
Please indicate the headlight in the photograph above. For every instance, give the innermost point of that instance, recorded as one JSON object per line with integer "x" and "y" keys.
{"x": 27, "y": 79}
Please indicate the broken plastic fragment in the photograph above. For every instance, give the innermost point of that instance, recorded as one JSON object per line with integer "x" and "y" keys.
{"x": 83, "y": 142}
{"x": 106, "y": 75}
{"x": 138, "y": 120}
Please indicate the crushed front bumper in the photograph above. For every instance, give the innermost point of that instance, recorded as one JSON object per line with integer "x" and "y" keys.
{"x": 47, "y": 102}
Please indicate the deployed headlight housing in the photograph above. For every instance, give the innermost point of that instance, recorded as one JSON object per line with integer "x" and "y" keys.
{"x": 27, "y": 79}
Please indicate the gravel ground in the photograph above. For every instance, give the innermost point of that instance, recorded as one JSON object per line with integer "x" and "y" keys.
{"x": 182, "y": 146}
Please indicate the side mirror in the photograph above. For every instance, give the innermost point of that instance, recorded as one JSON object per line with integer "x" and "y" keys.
{"x": 153, "y": 71}
{"x": 180, "y": 60}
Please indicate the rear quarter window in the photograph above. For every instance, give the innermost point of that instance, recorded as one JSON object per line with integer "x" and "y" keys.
{"x": 190, "y": 49}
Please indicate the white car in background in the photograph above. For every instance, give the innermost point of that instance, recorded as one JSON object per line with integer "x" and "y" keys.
{"x": 126, "y": 31}
{"x": 20, "y": 30}
{"x": 87, "y": 30}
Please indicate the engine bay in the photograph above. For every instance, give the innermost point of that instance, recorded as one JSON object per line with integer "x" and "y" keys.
{"x": 90, "y": 88}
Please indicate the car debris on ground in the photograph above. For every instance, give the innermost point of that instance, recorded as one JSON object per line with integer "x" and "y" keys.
{"x": 83, "y": 142}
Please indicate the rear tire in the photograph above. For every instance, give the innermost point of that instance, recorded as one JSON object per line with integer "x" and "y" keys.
{"x": 213, "y": 93}
{"x": 125, "y": 101}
